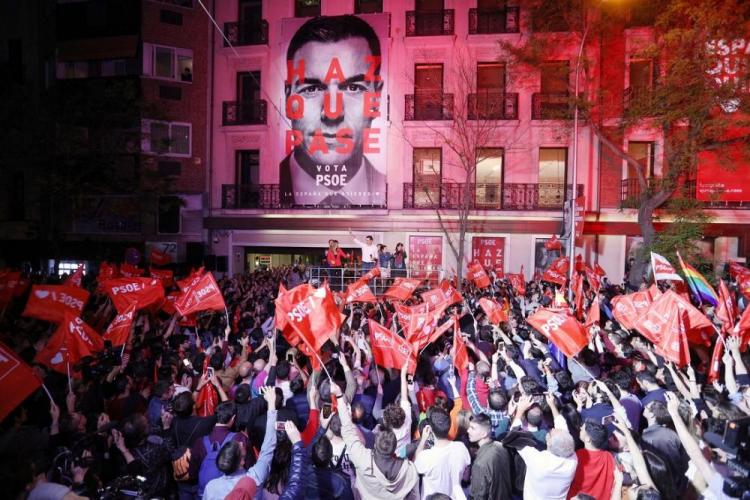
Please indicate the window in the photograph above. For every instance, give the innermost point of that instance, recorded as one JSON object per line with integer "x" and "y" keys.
{"x": 428, "y": 92}
{"x": 641, "y": 76}
{"x": 552, "y": 174}
{"x": 247, "y": 178}
{"x": 490, "y": 90}
{"x": 69, "y": 267}
{"x": 643, "y": 153}
{"x": 306, "y": 8}
{"x": 368, "y": 6}
{"x": 427, "y": 177}
{"x": 167, "y": 62}
{"x": 552, "y": 102}
{"x": 169, "y": 214}
{"x": 555, "y": 77}
{"x": 166, "y": 138}
{"x": 489, "y": 176}
{"x": 89, "y": 69}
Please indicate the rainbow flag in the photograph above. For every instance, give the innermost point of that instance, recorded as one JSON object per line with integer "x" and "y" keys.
{"x": 702, "y": 289}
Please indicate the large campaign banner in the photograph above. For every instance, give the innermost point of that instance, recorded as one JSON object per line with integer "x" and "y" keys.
{"x": 489, "y": 252}
{"x": 334, "y": 142}
{"x": 425, "y": 255}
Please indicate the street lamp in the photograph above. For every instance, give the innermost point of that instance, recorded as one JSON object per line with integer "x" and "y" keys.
{"x": 574, "y": 189}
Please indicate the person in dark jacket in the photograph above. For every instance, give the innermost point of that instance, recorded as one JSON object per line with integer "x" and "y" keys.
{"x": 144, "y": 455}
{"x": 330, "y": 483}
{"x": 490, "y": 472}
{"x": 665, "y": 443}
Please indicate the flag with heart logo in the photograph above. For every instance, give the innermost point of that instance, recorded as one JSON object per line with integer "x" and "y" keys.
{"x": 402, "y": 288}
{"x": 204, "y": 295}
{"x": 493, "y": 310}
{"x": 118, "y": 331}
{"x": 52, "y": 302}
{"x": 73, "y": 340}
{"x": 316, "y": 318}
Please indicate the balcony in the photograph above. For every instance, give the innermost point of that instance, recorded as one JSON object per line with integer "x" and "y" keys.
{"x": 266, "y": 196}
{"x": 489, "y": 22}
{"x": 431, "y": 23}
{"x": 422, "y": 107}
{"x": 246, "y": 33}
{"x": 493, "y": 106}
{"x": 243, "y": 113}
{"x": 630, "y": 194}
{"x": 509, "y": 196}
{"x": 550, "y": 106}
{"x": 641, "y": 97}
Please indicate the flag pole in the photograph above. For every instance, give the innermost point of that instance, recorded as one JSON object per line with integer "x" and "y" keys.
{"x": 51, "y": 400}
{"x": 70, "y": 383}
{"x": 653, "y": 269}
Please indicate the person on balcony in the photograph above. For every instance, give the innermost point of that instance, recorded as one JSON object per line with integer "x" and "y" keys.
{"x": 369, "y": 251}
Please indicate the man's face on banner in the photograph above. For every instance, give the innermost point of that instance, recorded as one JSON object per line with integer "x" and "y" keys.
{"x": 352, "y": 58}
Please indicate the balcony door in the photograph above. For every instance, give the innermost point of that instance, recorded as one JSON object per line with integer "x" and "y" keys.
{"x": 428, "y": 91}
{"x": 490, "y": 90}
{"x": 429, "y": 17}
{"x": 553, "y": 164}
{"x": 427, "y": 177}
{"x": 553, "y": 101}
{"x": 641, "y": 75}
{"x": 490, "y": 16}
{"x": 489, "y": 178}
{"x": 247, "y": 177}
{"x": 248, "y": 96}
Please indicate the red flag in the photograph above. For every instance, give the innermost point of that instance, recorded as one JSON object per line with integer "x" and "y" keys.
{"x": 561, "y": 328}
{"x": 737, "y": 269}
{"x": 579, "y": 264}
{"x": 51, "y": 302}
{"x": 460, "y": 354}
{"x": 72, "y": 341}
{"x": 593, "y": 317}
{"x": 191, "y": 280}
{"x": 518, "y": 283}
{"x": 653, "y": 292}
{"x": 742, "y": 329}
{"x": 316, "y": 318}
{"x": 402, "y": 288}
{"x": 478, "y": 276}
{"x": 205, "y": 295}
{"x": 143, "y": 291}
{"x": 284, "y": 303}
{"x": 553, "y": 243}
{"x": 130, "y": 271}
{"x": 674, "y": 339}
{"x": 372, "y": 273}
{"x": 662, "y": 269}
{"x": 166, "y": 276}
{"x": 554, "y": 276}
{"x": 168, "y": 304}
{"x": 106, "y": 272}
{"x": 17, "y": 381}
{"x": 599, "y": 271}
{"x": 435, "y": 299}
{"x": 652, "y": 324}
{"x": 726, "y": 311}
{"x": 578, "y": 290}
{"x": 492, "y": 309}
{"x": 627, "y": 309}
{"x": 714, "y": 369}
{"x": 359, "y": 292}
{"x": 119, "y": 330}
{"x": 159, "y": 258}
{"x": 388, "y": 349}
{"x": 421, "y": 327}
{"x": 452, "y": 296}
{"x": 76, "y": 278}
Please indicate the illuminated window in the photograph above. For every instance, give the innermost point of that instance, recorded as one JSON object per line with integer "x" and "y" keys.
{"x": 168, "y": 63}
{"x": 69, "y": 267}
{"x": 166, "y": 138}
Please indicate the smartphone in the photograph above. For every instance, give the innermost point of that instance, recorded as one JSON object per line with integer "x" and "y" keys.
{"x": 327, "y": 410}
{"x": 209, "y": 372}
{"x": 186, "y": 362}
{"x": 290, "y": 357}
{"x": 608, "y": 419}
{"x": 280, "y": 426}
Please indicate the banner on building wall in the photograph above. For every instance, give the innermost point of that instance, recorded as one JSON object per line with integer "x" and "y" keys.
{"x": 544, "y": 256}
{"x": 724, "y": 173}
{"x": 334, "y": 124}
{"x": 490, "y": 252}
{"x": 425, "y": 255}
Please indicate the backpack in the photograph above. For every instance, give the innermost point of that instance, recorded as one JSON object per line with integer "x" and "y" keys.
{"x": 208, "y": 469}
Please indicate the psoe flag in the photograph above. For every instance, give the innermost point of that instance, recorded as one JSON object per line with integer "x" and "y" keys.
{"x": 17, "y": 381}
{"x": 663, "y": 270}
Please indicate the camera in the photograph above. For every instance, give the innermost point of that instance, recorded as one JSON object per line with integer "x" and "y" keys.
{"x": 99, "y": 365}
{"x": 733, "y": 436}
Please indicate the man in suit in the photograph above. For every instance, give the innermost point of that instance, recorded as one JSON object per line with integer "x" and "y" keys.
{"x": 333, "y": 95}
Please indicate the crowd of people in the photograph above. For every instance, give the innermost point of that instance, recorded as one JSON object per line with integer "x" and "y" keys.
{"x": 226, "y": 408}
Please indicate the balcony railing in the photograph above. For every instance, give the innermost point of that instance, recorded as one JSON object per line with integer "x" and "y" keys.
{"x": 630, "y": 195}
{"x": 246, "y": 33}
{"x": 509, "y": 196}
{"x": 643, "y": 97}
{"x": 550, "y": 106}
{"x": 428, "y": 106}
{"x": 493, "y": 21}
{"x": 493, "y": 106}
{"x": 438, "y": 22}
{"x": 266, "y": 196}
{"x": 243, "y": 112}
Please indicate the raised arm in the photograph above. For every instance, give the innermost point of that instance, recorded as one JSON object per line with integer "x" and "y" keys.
{"x": 639, "y": 462}
{"x": 688, "y": 442}
{"x": 259, "y": 472}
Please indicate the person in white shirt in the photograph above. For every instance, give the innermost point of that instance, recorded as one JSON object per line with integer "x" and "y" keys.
{"x": 443, "y": 465}
{"x": 369, "y": 251}
{"x": 549, "y": 472}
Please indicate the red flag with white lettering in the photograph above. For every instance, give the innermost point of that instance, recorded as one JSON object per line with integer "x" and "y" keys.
{"x": 517, "y": 281}
{"x": 284, "y": 303}
{"x": 76, "y": 278}
{"x": 553, "y": 243}
{"x": 402, "y": 288}
{"x": 662, "y": 269}
{"x": 315, "y": 318}
{"x": 191, "y": 280}
{"x": 652, "y": 324}
{"x": 17, "y": 381}
{"x": 73, "y": 339}
{"x": 561, "y": 328}
{"x": 714, "y": 369}
{"x": 388, "y": 349}
{"x": 435, "y": 298}
{"x": 359, "y": 292}
{"x": 599, "y": 270}
{"x": 493, "y": 310}
{"x": 726, "y": 311}
{"x": 742, "y": 329}
{"x": 674, "y": 339}
{"x": 51, "y": 302}
{"x": 452, "y": 296}
{"x": 554, "y": 276}
{"x": 372, "y": 273}
{"x": 593, "y": 317}
{"x": 628, "y": 308}
{"x": 478, "y": 276}
{"x": 421, "y": 327}
{"x": 205, "y": 295}
{"x": 119, "y": 330}
{"x": 159, "y": 258}
{"x": 144, "y": 292}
